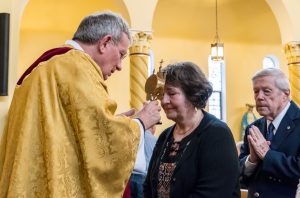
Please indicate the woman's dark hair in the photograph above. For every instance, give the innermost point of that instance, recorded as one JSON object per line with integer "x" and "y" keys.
{"x": 189, "y": 77}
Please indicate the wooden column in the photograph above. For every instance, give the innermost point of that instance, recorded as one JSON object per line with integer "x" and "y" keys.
{"x": 292, "y": 52}
{"x": 139, "y": 58}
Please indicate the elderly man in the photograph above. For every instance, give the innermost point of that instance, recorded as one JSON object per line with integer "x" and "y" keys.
{"x": 62, "y": 137}
{"x": 270, "y": 155}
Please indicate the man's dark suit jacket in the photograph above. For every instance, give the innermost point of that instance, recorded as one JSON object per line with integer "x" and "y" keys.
{"x": 208, "y": 168}
{"x": 277, "y": 175}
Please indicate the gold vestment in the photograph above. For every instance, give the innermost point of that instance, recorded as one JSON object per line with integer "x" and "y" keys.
{"x": 62, "y": 138}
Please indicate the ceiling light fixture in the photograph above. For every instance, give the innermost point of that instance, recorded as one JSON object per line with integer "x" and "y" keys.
{"x": 217, "y": 48}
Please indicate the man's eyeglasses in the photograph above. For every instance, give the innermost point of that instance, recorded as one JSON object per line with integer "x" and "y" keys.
{"x": 122, "y": 53}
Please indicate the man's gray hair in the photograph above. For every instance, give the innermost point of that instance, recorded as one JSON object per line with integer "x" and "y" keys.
{"x": 96, "y": 26}
{"x": 281, "y": 81}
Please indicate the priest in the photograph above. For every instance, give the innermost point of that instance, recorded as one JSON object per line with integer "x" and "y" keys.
{"x": 62, "y": 137}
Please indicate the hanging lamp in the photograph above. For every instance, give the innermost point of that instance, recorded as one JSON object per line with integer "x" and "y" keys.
{"x": 217, "y": 48}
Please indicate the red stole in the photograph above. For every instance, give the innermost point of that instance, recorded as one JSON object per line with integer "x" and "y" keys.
{"x": 44, "y": 57}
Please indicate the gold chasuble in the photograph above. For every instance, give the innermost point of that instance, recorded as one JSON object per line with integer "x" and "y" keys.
{"x": 62, "y": 138}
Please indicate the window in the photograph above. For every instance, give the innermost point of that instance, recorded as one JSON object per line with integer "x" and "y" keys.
{"x": 151, "y": 63}
{"x": 217, "y": 101}
{"x": 270, "y": 61}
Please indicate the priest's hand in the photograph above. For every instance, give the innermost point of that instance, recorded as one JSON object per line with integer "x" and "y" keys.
{"x": 149, "y": 114}
{"x": 128, "y": 113}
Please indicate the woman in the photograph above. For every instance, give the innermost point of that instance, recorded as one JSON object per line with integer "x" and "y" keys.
{"x": 196, "y": 157}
